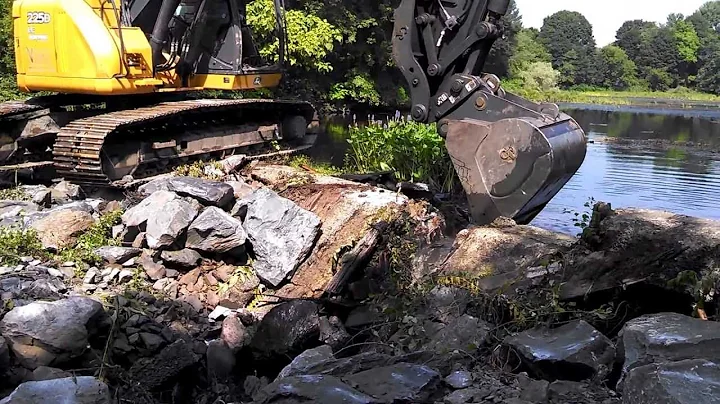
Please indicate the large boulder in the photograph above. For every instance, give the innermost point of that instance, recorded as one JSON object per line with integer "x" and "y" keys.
{"x": 282, "y": 234}
{"x": 306, "y": 360}
{"x": 68, "y": 390}
{"x": 165, "y": 226}
{"x": 313, "y": 389}
{"x": 51, "y": 333}
{"x": 215, "y": 231}
{"x": 185, "y": 258}
{"x": 663, "y": 337}
{"x": 209, "y": 193}
{"x": 138, "y": 215}
{"x": 12, "y": 208}
{"x": 574, "y": 351}
{"x": 402, "y": 382}
{"x": 286, "y": 329}
{"x": 692, "y": 381}
{"x": 463, "y": 334}
{"x": 62, "y": 228}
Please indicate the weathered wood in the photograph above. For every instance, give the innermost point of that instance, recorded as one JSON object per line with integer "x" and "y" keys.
{"x": 356, "y": 258}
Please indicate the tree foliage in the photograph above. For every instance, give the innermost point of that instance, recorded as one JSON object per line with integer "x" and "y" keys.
{"x": 620, "y": 72}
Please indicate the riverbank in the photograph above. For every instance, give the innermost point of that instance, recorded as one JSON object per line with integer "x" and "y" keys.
{"x": 195, "y": 290}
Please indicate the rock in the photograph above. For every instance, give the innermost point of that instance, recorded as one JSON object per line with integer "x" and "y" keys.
{"x": 462, "y": 396}
{"x": 191, "y": 277}
{"x": 459, "y": 379}
{"x": 48, "y": 373}
{"x": 447, "y": 303}
{"x": 50, "y": 333}
{"x": 219, "y": 312}
{"x": 65, "y": 191}
{"x": 91, "y": 275}
{"x": 633, "y": 246}
{"x": 466, "y": 333}
{"x": 165, "y": 225}
{"x": 694, "y": 381}
{"x": 61, "y": 228}
{"x": 534, "y": 391}
{"x": 43, "y": 198}
{"x": 215, "y": 231}
{"x": 402, "y": 382}
{"x": 286, "y": 329}
{"x": 232, "y": 163}
{"x": 138, "y": 215}
{"x": 665, "y": 337}
{"x": 575, "y": 351}
{"x": 154, "y": 270}
{"x": 117, "y": 255}
{"x": 306, "y": 360}
{"x": 241, "y": 292}
{"x": 184, "y": 259}
{"x": 151, "y": 341}
{"x": 209, "y": 193}
{"x": 234, "y": 333}
{"x": 282, "y": 234}
{"x": 315, "y": 389}
{"x": 164, "y": 367}
{"x": 332, "y": 332}
{"x": 220, "y": 360}
{"x": 564, "y": 391}
{"x": 241, "y": 189}
{"x": 68, "y": 390}
{"x": 125, "y": 275}
{"x": 4, "y": 355}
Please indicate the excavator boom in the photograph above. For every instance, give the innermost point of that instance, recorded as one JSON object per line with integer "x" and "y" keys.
{"x": 511, "y": 155}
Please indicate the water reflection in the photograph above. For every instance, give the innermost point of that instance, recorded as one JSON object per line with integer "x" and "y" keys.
{"x": 678, "y": 179}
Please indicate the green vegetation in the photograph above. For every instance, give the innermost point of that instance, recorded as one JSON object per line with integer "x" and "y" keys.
{"x": 413, "y": 151}
{"x": 16, "y": 243}
{"x": 14, "y": 194}
{"x": 99, "y": 235}
{"x": 306, "y": 163}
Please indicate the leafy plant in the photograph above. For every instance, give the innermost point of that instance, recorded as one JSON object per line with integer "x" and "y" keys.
{"x": 412, "y": 151}
{"x": 98, "y": 235}
{"x": 201, "y": 169}
{"x": 16, "y": 243}
{"x": 14, "y": 194}
{"x": 305, "y": 162}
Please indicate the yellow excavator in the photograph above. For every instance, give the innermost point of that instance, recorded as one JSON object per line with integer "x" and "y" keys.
{"x": 124, "y": 77}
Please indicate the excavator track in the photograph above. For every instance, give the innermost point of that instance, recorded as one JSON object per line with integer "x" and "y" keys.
{"x": 108, "y": 149}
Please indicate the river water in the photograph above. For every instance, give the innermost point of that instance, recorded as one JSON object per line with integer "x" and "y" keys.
{"x": 642, "y": 174}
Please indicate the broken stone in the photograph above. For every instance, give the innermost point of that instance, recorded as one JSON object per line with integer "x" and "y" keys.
{"x": 575, "y": 351}
{"x": 62, "y": 228}
{"x": 70, "y": 390}
{"x": 534, "y": 391}
{"x": 138, "y": 215}
{"x": 463, "y": 396}
{"x": 234, "y": 333}
{"x": 125, "y": 275}
{"x": 665, "y": 337}
{"x": 215, "y": 231}
{"x": 306, "y": 360}
{"x": 315, "y": 389}
{"x": 117, "y": 255}
{"x": 11, "y": 209}
{"x": 66, "y": 191}
{"x": 402, "y": 382}
{"x": 43, "y": 198}
{"x": 91, "y": 275}
{"x": 154, "y": 270}
{"x": 165, "y": 225}
{"x": 282, "y": 233}
{"x": 184, "y": 259}
{"x": 232, "y": 163}
{"x": 48, "y": 333}
{"x": 694, "y": 381}
{"x": 48, "y": 373}
{"x": 242, "y": 292}
{"x": 241, "y": 189}
{"x": 155, "y": 372}
{"x": 219, "y": 312}
{"x": 459, "y": 379}
{"x": 151, "y": 341}
{"x": 332, "y": 332}
{"x": 286, "y": 329}
{"x": 466, "y": 333}
{"x": 447, "y": 303}
{"x": 209, "y": 193}
{"x": 191, "y": 277}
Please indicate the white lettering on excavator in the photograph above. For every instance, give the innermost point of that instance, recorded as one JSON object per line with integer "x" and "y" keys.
{"x": 443, "y": 97}
{"x": 38, "y": 18}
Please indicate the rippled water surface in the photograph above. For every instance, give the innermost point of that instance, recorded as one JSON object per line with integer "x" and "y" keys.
{"x": 640, "y": 174}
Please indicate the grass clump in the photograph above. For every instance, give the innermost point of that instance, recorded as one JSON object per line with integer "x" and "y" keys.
{"x": 306, "y": 163}
{"x": 201, "y": 169}
{"x": 14, "y": 194}
{"x": 16, "y": 243}
{"x": 413, "y": 151}
{"x": 98, "y": 235}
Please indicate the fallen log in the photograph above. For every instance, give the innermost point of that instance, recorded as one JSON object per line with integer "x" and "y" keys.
{"x": 356, "y": 258}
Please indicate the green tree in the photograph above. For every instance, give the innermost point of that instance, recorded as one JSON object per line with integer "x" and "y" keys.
{"x": 7, "y": 54}
{"x": 686, "y": 40}
{"x": 632, "y": 37}
{"x": 540, "y": 76}
{"x": 619, "y": 71}
{"x": 708, "y": 78}
{"x": 498, "y": 61}
{"x": 528, "y": 50}
{"x": 568, "y": 36}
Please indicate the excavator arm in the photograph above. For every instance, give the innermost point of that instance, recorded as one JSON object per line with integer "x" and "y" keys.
{"x": 511, "y": 155}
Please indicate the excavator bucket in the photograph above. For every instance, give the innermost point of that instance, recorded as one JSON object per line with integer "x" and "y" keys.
{"x": 513, "y": 167}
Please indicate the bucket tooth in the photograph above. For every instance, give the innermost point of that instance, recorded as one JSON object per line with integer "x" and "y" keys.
{"x": 513, "y": 167}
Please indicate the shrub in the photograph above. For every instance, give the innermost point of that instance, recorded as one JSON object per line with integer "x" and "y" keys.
{"x": 16, "y": 243}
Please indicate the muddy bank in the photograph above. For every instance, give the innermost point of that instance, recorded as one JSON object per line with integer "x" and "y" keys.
{"x": 272, "y": 284}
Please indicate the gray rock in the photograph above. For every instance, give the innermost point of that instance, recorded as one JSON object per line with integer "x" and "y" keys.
{"x": 215, "y": 231}
{"x": 48, "y": 373}
{"x": 402, "y": 382}
{"x": 466, "y": 333}
{"x": 154, "y": 270}
{"x": 234, "y": 333}
{"x": 209, "y": 193}
{"x": 164, "y": 367}
{"x": 10, "y": 208}
{"x": 138, "y": 215}
{"x": 663, "y": 337}
{"x": 286, "y": 329}
{"x": 125, "y": 275}
{"x": 241, "y": 189}
{"x": 65, "y": 191}
{"x": 282, "y": 234}
{"x": 69, "y": 390}
{"x": 306, "y": 360}
{"x": 49, "y": 333}
{"x": 220, "y": 360}
{"x": 575, "y": 351}
{"x": 232, "y": 163}
{"x": 43, "y": 198}
{"x": 463, "y": 396}
{"x": 117, "y": 255}
{"x": 447, "y": 303}
{"x": 76, "y": 206}
{"x": 185, "y": 258}
{"x": 333, "y": 333}
{"x": 315, "y": 389}
{"x": 55, "y": 272}
{"x": 535, "y": 391}
{"x": 151, "y": 341}
{"x": 565, "y": 391}
{"x": 459, "y": 379}
{"x": 91, "y": 275}
{"x": 165, "y": 225}
{"x": 695, "y": 381}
